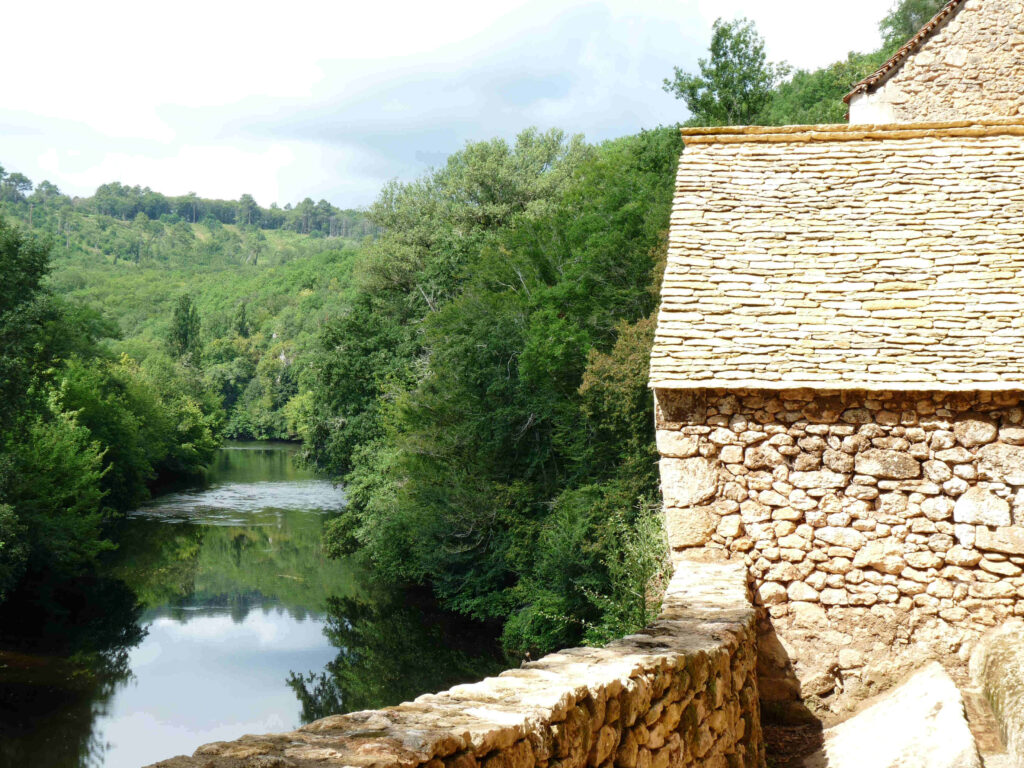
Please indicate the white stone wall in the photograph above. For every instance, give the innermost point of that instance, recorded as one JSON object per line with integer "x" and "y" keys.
{"x": 972, "y": 67}
{"x": 879, "y": 528}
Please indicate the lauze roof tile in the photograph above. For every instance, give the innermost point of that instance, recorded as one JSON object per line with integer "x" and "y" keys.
{"x": 878, "y": 257}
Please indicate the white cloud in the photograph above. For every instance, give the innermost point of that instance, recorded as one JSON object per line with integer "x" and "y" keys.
{"x": 329, "y": 99}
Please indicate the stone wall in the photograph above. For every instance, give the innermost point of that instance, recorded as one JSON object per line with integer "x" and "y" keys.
{"x": 681, "y": 693}
{"x": 972, "y": 66}
{"x": 880, "y": 528}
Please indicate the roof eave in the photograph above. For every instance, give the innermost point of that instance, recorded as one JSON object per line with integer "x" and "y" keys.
{"x": 890, "y": 67}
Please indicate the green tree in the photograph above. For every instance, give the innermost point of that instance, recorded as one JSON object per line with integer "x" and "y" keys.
{"x": 24, "y": 262}
{"x": 905, "y": 20}
{"x": 184, "y": 333}
{"x": 735, "y": 84}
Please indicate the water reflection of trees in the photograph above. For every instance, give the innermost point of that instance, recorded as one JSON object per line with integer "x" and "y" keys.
{"x": 66, "y": 653}
{"x": 236, "y": 567}
{"x": 392, "y": 650}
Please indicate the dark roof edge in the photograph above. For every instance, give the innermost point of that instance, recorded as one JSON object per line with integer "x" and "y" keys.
{"x": 890, "y": 67}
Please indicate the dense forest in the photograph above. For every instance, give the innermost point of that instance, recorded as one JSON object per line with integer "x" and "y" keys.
{"x": 468, "y": 355}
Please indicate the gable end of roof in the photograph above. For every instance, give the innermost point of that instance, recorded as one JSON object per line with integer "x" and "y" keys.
{"x": 890, "y": 67}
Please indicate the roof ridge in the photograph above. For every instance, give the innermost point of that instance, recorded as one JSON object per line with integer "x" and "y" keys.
{"x": 889, "y": 68}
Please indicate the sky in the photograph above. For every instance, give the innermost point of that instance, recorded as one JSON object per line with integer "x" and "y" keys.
{"x": 296, "y": 99}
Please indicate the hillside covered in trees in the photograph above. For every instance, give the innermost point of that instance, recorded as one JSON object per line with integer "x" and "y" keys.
{"x": 468, "y": 356}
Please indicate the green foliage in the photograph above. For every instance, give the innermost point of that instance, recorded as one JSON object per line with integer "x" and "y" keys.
{"x": 85, "y": 433}
{"x": 905, "y": 20}
{"x": 470, "y": 406}
{"x": 381, "y": 648}
{"x": 54, "y": 486}
{"x": 13, "y": 550}
{"x": 735, "y": 84}
{"x": 183, "y": 335}
{"x": 24, "y": 264}
{"x": 813, "y": 98}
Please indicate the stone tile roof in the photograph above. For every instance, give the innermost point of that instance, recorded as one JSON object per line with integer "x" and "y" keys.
{"x": 892, "y": 65}
{"x": 846, "y": 257}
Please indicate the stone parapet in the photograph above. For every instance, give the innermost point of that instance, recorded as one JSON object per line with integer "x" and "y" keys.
{"x": 681, "y": 693}
{"x": 880, "y": 528}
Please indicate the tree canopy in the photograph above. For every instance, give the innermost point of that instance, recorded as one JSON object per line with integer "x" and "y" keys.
{"x": 735, "y": 83}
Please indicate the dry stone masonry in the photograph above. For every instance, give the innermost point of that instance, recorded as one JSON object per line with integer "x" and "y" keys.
{"x": 682, "y": 693}
{"x": 879, "y": 527}
{"x": 840, "y": 390}
{"x": 839, "y": 257}
{"x": 966, "y": 64}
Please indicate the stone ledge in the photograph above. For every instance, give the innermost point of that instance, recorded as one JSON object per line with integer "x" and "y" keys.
{"x": 682, "y": 692}
{"x": 1013, "y": 126}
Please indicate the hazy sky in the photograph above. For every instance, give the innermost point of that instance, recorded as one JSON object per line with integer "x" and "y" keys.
{"x": 330, "y": 99}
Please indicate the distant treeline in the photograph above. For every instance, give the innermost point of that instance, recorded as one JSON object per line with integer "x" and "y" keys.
{"x": 126, "y": 203}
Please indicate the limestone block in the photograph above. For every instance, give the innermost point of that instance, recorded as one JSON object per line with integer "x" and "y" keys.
{"x": 956, "y": 455}
{"x": 894, "y": 465}
{"x": 1009, "y": 541}
{"x": 688, "y": 482}
{"x": 937, "y": 471}
{"x": 1002, "y": 463}
{"x": 799, "y": 590}
{"x": 965, "y": 558}
{"x": 924, "y": 560}
{"x": 837, "y": 461}
{"x": 997, "y": 668}
{"x": 819, "y": 480}
{"x": 834, "y": 597}
{"x": 730, "y": 526}
{"x": 676, "y": 445}
{"x": 690, "y": 527}
{"x": 840, "y": 537}
{"x": 1012, "y": 435}
{"x": 884, "y": 555}
{"x": 937, "y": 508}
{"x": 975, "y": 431}
{"x": 981, "y": 507}
{"x": 763, "y": 457}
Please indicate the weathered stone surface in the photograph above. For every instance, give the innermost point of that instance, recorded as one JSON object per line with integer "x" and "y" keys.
{"x": 975, "y": 431}
{"x": 1003, "y": 463}
{"x": 895, "y": 465}
{"x": 818, "y": 480}
{"x": 1009, "y": 541}
{"x": 965, "y": 558}
{"x": 837, "y": 304}
{"x": 920, "y": 724}
{"x": 981, "y": 507}
{"x": 884, "y": 555}
{"x": 997, "y": 668}
{"x": 687, "y": 482}
{"x": 690, "y": 527}
{"x": 763, "y": 457}
{"x": 840, "y": 537}
{"x": 675, "y": 445}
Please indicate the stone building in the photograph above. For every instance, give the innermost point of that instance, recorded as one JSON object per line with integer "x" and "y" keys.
{"x": 964, "y": 64}
{"x": 839, "y": 365}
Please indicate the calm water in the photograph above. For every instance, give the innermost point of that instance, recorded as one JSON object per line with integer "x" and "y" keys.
{"x": 218, "y": 616}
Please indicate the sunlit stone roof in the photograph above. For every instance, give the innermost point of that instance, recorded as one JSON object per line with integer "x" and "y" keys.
{"x": 861, "y": 257}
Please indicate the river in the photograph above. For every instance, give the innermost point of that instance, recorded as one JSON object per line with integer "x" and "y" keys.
{"x": 219, "y": 615}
